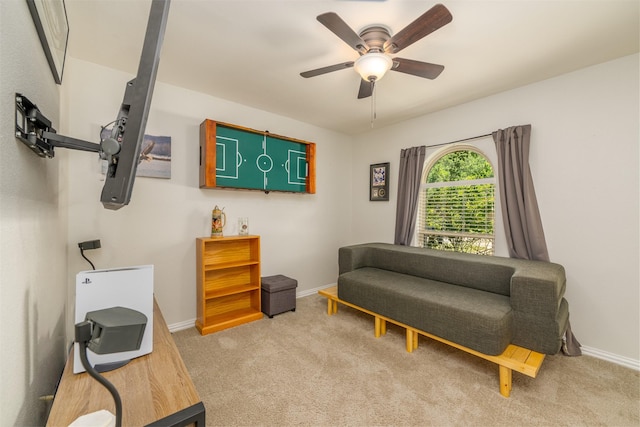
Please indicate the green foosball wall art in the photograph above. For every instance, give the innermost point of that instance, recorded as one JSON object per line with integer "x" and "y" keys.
{"x": 236, "y": 157}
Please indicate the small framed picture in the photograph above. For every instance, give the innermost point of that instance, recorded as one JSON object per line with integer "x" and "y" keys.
{"x": 379, "y": 182}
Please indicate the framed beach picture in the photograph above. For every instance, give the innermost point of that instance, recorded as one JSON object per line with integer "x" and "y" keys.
{"x": 379, "y": 182}
{"x": 50, "y": 19}
{"x": 155, "y": 156}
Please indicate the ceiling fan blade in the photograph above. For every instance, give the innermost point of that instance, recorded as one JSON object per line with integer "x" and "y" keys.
{"x": 366, "y": 89}
{"x": 337, "y": 26}
{"x": 417, "y": 68}
{"x": 434, "y": 18}
{"x": 328, "y": 69}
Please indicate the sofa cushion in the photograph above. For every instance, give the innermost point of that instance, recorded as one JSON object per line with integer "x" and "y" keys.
{"x": 482, "y": 321}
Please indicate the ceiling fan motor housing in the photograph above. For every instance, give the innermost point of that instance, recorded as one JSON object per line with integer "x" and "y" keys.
{"x": 375, "y": 36}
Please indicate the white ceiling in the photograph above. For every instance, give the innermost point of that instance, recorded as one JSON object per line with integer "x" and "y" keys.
{"x": 252, "y": 52}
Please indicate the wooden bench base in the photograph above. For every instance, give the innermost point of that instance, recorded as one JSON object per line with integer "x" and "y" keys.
{"x": 514, "y": 358}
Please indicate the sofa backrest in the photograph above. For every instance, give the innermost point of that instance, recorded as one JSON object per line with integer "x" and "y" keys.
{"x": 487, "y": 273}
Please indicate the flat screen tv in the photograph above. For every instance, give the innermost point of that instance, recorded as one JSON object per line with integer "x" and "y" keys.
{"x": 128, "y": 130}
{"x": 122, "y": 148}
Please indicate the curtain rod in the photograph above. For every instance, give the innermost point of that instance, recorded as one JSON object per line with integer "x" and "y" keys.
{"x": 459, "y": 140}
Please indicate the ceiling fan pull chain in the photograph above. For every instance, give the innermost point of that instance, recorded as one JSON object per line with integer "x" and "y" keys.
{"x": 373, "y": 102}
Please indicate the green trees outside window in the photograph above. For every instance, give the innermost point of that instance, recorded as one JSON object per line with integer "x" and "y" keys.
{"x": 456, "y": 210}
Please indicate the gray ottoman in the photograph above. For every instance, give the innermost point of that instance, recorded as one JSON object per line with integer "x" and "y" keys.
{"x": 278, "y": 294}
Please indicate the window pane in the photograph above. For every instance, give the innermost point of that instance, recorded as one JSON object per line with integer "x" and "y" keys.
{"x": 465, "y": 209}
{"x": 460, "y": 166}
{"x": 471, "y": 245}
{"x": 456, "y": 210}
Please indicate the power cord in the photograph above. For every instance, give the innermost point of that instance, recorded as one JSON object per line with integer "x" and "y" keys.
{"x": 83, "y": 336}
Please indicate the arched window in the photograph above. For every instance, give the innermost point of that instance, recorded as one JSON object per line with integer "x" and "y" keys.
{"x": 456, "y": 210}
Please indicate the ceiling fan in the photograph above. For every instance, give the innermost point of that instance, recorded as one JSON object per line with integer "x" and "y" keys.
{"x": 375, "y": 45}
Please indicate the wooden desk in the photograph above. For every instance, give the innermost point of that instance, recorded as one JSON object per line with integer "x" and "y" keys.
{"x": 155, "y": 389}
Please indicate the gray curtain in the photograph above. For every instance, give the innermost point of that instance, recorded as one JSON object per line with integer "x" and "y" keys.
{"x": 521, "y": 216}
{"x": 523, "y": 226}
{"x": 411, "y": 162}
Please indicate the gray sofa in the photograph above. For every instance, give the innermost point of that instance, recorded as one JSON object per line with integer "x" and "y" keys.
{"x": 481, "y": 302}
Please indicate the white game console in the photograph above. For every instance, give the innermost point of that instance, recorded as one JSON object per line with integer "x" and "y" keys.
{"x": 129, "y": 287}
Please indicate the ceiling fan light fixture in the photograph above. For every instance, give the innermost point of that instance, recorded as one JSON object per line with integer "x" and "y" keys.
{"x": 372, "y": 66}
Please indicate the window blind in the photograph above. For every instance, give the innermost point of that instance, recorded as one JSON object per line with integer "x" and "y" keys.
{"x": 457, "y": 215}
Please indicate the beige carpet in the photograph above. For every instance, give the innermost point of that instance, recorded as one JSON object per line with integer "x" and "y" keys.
{"x": 308, "y": 368}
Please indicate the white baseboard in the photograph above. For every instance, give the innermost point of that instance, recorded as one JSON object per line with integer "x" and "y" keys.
{"x": 610, "y": 357}
{"x": 313, "y": 291}
{"x": 175, "y": 327}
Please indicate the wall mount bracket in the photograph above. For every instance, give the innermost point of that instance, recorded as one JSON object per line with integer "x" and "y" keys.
{"x": 35, "y": 131}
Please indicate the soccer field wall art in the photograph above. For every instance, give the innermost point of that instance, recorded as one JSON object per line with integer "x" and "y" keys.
{"x": 232, "y": 156}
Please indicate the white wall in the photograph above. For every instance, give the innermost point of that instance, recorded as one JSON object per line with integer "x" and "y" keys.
{"x": 584, "y": 161}
{"x": 32, "y": 232}
{"x": 300, "y": 233}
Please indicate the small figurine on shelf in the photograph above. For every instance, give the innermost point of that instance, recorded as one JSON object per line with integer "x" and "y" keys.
{"x": 218, "y": 221}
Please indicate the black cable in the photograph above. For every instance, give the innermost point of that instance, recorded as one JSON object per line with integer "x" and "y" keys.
{"x": 102, "y": 128}
{"x": 102, "y": 380}
{"x": 82, "y": 253}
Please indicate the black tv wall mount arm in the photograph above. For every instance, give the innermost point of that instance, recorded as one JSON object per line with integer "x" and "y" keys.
{"x": 35, "y": 131}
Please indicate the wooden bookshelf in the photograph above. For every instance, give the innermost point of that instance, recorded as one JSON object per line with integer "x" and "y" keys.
{"x": 228, "y": 282}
